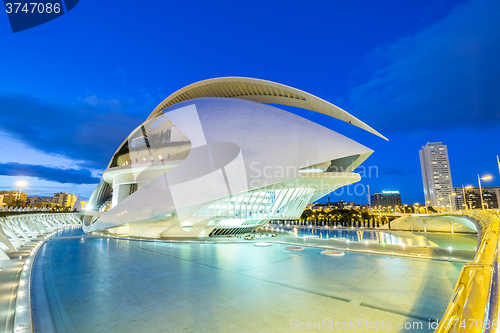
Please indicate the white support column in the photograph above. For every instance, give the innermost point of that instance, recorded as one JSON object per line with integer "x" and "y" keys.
{"x": 120, "y": 192}
{"x": 34, "y": 227}
{"x": 6, "y": 241}
{"x": 3, "y": 255}
{"x": 57, "y": 222}
{"x": 42, "y": 226}
{"x": 26, "y": 228}
{"x": 20, "y": 230}
{"x": 76, "y": 220}
{"x": 46, "y": 221}
{"x": 12, "y": 234}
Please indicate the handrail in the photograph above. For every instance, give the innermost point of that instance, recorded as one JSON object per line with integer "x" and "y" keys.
{"x": 474, "y": 304}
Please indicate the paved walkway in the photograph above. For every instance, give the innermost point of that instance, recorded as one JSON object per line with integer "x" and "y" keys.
{"x": 95, "y": 284}
{"x": 9, "y": 279}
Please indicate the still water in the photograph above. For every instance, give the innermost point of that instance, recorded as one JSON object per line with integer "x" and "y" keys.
{"x": 409, "y": 238}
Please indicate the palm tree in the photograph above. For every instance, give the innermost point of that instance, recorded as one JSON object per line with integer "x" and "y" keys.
{"x": 306, "y": 214}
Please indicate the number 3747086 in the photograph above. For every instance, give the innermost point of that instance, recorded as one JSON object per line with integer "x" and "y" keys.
{"x": 471, "y": 324}
{"x": 32, "y": 8}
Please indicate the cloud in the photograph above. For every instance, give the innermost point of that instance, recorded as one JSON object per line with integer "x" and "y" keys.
{"x": 447, "y": 75}
{"x": 95, "y": 101}
{"x": 80, "y": 131}
{"x": 64, "y": 176}
{"x": 395, "y": 171}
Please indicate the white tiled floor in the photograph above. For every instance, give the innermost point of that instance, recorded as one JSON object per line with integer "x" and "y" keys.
{"x": 96, "y": 285}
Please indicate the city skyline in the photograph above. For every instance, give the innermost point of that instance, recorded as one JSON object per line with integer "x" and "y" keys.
{"x": 402, "y": 73}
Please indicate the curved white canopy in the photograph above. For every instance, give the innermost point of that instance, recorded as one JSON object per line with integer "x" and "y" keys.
{"x": 261, "y": 91}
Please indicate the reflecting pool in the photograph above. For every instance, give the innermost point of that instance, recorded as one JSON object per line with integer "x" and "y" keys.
{"x": 434, "y": 239}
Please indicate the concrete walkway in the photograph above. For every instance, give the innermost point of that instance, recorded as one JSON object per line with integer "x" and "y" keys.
{"x": 9, "y": 280}
{"x": 95, "y": 284}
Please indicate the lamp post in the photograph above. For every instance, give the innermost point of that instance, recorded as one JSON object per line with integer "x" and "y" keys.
{"x": 21, "y": 184}
{"x": 451, "y": 204}
{"x": 480, "y": 190}
{"x": 465, "y": 197}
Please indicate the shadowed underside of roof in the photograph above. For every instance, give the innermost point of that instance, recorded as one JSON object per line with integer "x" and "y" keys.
{"x": 261, "y": 91}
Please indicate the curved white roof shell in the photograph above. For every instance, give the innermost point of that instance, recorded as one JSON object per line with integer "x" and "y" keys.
{"x": 237, "y": 148}
{"x": 261, "y": 91}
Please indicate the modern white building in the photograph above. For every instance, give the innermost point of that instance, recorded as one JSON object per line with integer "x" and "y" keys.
{"x": 436, "y": 175}
{"x": 215, "y": 159}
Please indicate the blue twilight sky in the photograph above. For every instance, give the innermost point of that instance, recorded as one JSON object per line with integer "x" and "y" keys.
{"x": 417, "y": 71}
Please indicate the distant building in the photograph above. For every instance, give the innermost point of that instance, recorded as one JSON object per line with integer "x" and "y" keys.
{"x": 64, "y": 199}
{"x": 10, "y": 196}
{"x": 35, "y": 199}
{"x": 1, "y": 200}
{"x": 386, "y": 199}
{"x": 40, "y": 202}
{"x": 436, "y": 175}
{"x": 335, "y": 205}
{"x": 491, "y": 197}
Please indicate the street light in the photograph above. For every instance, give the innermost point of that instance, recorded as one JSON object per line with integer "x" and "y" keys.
{"x": 21, "y": 184}
{"x": 465, "y": 197}
{"x": 480, "y": 190}
{"x": 450, "y": 195}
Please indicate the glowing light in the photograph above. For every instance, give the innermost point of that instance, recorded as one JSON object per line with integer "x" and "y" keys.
{"x": 21, "y": 183}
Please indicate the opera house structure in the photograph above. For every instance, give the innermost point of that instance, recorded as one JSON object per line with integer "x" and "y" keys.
{"x": 215, "y": 158}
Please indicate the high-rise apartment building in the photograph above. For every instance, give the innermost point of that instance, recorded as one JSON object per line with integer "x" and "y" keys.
{"x": 436, "y": 175}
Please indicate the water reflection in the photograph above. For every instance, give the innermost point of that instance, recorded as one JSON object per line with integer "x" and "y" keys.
{"x": 406, "y": 238}
{"x": 351, "y": 235}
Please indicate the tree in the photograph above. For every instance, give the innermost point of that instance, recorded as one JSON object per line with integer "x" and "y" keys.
{"x": 17, "y": 203}
{"x": 306, "y": 214}
{"x": 431, "y": 209}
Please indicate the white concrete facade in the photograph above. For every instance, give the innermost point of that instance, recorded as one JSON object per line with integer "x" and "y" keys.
{"x": 206, "y": 166}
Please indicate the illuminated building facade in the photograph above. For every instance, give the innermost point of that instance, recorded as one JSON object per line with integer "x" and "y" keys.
{"x": 214, "y": 159}
{"x": 386, "y": 199}
{"x": 436, "y": 175}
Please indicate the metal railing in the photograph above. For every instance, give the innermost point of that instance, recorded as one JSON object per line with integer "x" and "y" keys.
{"x": 474, "y": 304}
